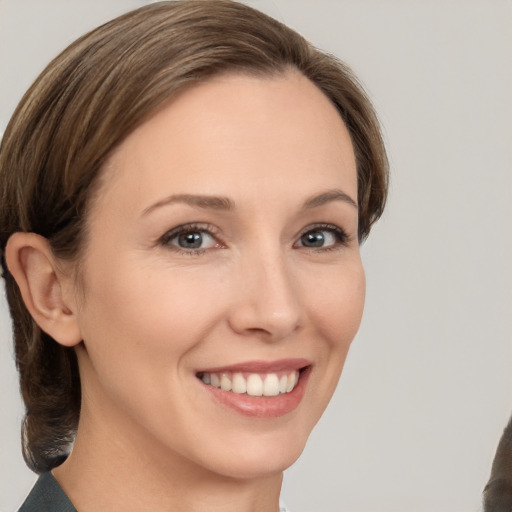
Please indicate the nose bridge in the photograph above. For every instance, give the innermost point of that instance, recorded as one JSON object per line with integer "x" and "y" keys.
{"x": 267, "y": 299}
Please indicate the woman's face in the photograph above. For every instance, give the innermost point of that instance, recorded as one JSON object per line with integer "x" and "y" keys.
{"x": 222, "y": 251}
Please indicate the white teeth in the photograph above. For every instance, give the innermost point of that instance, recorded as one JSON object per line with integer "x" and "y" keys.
{"x": 225, "y": 383}
{"x": 283, "y": 384}
{"x": 239, "y": 384}
{"x": 254, "y": 384}
{"x": 271, "y": 385}
{"x": 291, "y": 382}
{"x": 215, "y": 380}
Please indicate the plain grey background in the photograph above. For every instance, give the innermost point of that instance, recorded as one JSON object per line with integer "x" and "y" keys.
{"x": 427, "y": 387}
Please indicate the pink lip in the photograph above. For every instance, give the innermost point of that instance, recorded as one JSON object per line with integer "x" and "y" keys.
{"x": 261, "y": 366}
{"x": 262, "y": 406}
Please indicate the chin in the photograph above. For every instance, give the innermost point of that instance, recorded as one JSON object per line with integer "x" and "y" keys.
{"x": 261, "y": 455}
{"x": 257, "y": 467}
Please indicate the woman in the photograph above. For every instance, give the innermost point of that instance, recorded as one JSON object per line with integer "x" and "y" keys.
{"x": 184, "y": 191}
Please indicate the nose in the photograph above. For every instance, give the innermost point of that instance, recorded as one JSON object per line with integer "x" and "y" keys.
{"x": 266, "y": 302}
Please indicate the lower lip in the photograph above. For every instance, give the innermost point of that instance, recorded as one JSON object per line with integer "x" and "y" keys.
{"x": 262, "y": 406}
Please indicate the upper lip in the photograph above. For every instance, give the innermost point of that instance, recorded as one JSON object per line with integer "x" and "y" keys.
{"x": 261, "y": 366}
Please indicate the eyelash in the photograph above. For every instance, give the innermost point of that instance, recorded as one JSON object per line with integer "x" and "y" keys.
{"x": 342, "y": 238}
{"x": 212, "y": 231}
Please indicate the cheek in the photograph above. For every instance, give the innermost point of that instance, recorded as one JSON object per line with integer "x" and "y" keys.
{"x": 134, "y": 314}
{"x": 138, "y": 332}
{"x": 338, "y": 305}
{"x": 338, "y": 309}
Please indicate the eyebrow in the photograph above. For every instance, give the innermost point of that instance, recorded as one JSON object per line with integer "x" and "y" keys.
{"x": 199, "y": 201}
{"x": 226, "y": 204}
{"x": 327, "y": 197}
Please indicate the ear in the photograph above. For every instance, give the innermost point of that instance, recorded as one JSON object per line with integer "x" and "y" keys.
{"x": 45, "y": 289}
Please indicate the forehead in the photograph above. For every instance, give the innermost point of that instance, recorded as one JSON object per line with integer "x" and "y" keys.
{"x": 241, "y": 130}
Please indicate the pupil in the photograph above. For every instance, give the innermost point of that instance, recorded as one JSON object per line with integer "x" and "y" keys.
{"x": 191, "y": 240}
{"x": 314, "y": 239}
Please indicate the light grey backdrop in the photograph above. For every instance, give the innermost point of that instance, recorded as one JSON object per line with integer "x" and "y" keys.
{"x": 427, "y": 388}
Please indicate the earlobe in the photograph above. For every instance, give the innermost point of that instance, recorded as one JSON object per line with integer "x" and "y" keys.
{"x": 32, "y": 264}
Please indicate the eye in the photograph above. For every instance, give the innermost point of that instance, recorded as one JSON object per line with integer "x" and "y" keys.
{"x": 194, "y": 240}
{"x": 190, "y": 238}
{"x": 323, "y": 237}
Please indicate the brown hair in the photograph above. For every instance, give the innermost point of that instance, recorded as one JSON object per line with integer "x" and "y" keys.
{"x": 497, "y": 494}
{"x": 85, "y": 103}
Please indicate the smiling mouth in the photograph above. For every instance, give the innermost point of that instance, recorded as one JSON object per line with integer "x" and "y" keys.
{"x": 253, "y": 384}
{"x": 256, "y": 378}
{"x": 258, "y": 388}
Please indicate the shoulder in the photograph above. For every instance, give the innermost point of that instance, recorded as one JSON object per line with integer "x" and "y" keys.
{"x": 47, "y": 496}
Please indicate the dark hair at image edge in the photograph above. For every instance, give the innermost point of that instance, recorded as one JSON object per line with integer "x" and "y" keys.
{"x": 82, "y": 106}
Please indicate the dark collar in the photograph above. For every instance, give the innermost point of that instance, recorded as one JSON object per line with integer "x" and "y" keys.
{"x": 47, "y": 496}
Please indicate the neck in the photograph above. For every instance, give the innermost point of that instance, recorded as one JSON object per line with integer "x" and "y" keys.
{"x": 124, "y": 469}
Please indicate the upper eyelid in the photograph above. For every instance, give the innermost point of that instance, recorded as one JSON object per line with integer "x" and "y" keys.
{"x": 215, "y": 232}
{"x": 323, "y": 226}
{"x": 165, "y": 241}
{"x": 343, "y": 237}
{"x": 188, "y": 227}
{"x": 192, "y": 226}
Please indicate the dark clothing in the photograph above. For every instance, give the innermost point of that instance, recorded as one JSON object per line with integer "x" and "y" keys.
{"x": 47, "y": 496}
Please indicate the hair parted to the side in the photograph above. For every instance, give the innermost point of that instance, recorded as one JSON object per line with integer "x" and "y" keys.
{"x": 91, "y": 97}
